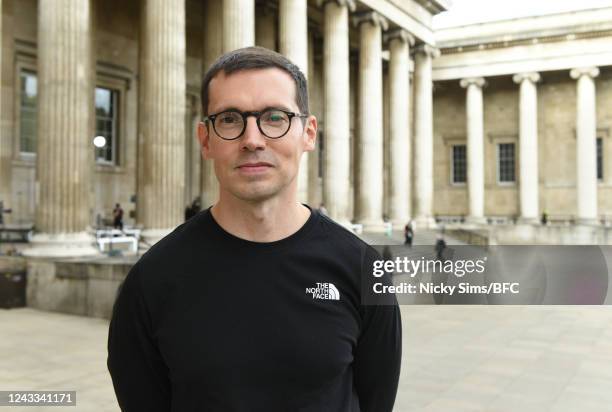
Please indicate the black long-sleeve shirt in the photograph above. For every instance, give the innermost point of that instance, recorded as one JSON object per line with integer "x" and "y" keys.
{"x": 207, "y": 321}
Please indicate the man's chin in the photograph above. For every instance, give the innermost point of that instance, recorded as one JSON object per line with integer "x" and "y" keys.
{"x": 255, "y": 195}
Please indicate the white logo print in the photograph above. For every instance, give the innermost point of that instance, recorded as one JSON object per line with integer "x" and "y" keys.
{"x": 324, "y": 291}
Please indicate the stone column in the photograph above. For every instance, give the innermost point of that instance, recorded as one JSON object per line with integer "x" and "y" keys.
{"x": 213, "y": 41}
{"x": 423, "y": 131}
{"x": 370, "y": 121}
{"x": 161, "y": 118}
{"x": 5, "y": 145}
{"x": 238, "y": 24}
{"x": 528, "y": 146}
{"x": 475, "y": 148}
{"x": 400, "y": 42}
{"x": 337, "y": 111}
{"x": 586, "y": 155}
{"x": 293, "y": 43}
{"x": 64, "y": 160}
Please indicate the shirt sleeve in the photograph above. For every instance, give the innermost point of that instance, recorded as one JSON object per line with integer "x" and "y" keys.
{"x": 139, "y": 374}
{"x": 378, "y": 354}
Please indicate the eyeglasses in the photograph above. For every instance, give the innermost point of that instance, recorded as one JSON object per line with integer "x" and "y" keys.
{"x": 272, "y": 123}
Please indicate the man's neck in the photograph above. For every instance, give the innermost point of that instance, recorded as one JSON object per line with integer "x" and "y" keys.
{"x": 267, "y": 221}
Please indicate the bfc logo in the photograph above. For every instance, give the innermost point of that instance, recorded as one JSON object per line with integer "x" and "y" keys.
{"x": 325, "y": 291}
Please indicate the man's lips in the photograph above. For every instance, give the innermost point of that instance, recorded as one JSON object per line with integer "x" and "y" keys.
{"x": 255, "y": 168}
{"x": 254, "y": 165}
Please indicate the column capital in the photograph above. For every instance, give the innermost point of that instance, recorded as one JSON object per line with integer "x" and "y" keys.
{"x": 578, "y": 72}
{"x": 427, "y": 50}
{"x": 533, "y": 77}
{"x": 350, "y": 4}
{"x": 477, "y": 81}
{"x": 399, "y": 34}
{"x": 376, "y": 19}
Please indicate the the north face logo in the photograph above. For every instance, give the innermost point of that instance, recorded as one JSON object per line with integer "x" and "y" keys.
{"x": 324, "y": 291}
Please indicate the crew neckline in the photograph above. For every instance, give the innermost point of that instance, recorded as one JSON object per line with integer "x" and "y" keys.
{"x": 275, "y": 245}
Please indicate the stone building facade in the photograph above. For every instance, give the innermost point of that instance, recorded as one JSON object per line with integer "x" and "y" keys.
{"x": 533, "y": 98}
{"x": 401, "y": 109}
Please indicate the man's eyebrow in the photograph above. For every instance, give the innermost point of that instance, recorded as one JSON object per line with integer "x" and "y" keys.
{"x": 276, "y": 106}
{"x": 224, "y": 109}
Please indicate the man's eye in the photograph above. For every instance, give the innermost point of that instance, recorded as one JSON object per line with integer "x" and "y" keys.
{"x": 227, "y": 119}
{"x": 275, "y": 117}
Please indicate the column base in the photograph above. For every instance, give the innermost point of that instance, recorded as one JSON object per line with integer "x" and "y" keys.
{"x": 377, "y": 226}
{"x": 399, "y": 223}
{"x": 528, "y": 221}
{"x": 476, "y": 220}
{"x": 62, "y": 245}
{"x": 425, "y": 222}
{"x": 587, "y": 221}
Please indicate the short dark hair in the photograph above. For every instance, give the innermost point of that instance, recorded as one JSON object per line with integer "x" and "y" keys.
{"x": 253, "y": 58}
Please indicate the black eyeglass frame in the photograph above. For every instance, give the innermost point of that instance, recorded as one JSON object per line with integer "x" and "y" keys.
{"x": 211, "y": 118}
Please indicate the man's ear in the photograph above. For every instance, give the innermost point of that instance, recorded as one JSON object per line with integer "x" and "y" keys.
{"x": 204, "y": 138}
{"x": 310, "y": 134}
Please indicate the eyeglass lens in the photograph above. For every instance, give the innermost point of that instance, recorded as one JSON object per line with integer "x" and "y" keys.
{"x": 272, "y": 123}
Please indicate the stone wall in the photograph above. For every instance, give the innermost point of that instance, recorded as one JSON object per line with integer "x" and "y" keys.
{"x": 86, "y": 287}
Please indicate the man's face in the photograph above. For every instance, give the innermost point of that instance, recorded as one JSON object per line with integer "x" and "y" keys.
{"x": 255, "y": 167}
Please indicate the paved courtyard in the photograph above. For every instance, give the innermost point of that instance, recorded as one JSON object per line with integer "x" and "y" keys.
{"x": 456, "y": 358}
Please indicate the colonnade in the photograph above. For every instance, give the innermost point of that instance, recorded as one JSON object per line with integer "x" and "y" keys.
{"x": 528, "y": 145}
{"x": 65, "y": 123}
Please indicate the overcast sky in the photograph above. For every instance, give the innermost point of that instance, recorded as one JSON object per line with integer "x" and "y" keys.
{"x": 475, "y": 11}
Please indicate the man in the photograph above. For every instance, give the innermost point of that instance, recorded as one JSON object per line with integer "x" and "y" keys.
{"x": 256, "y": 303}
{"x": 408, "y": 234}
{"x": 118, "y": 217}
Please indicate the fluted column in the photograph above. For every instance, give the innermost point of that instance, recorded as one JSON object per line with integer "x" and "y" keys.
{"x": 213, "y": 48}
{"x": 336, "y": 93}
{"x": 64, "y": 160}
{"x": 528, "y": 144}
{"x": 293, "y": 43}
{"x": 475, "y": 148}
{"x": 400, "y": 42}
{"x": 586, "y": 155}
{"x": 5, "y": 143}
{"x": 370, "y": 121}
{"x": 423, "y": 133}
{"x": 315, "y": 93}
{"x": 238, "y": 24}
{"x": 162, "y": 118}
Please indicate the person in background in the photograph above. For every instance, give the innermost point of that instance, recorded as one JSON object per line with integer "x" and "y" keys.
{"x": 193, "y": 209}
{"x": 440, "y": 246}
{"x": 544, "y": 219}
{"x": 408, "y": 234}
{"x": 118, "y": 217}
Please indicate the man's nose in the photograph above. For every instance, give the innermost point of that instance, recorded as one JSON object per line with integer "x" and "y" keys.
{"x": 252, "y": 139}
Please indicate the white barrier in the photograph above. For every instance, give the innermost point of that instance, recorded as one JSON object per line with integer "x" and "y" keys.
{"x": 106, "y": 238}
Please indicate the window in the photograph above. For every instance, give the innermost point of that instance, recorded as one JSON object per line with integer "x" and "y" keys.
{"x": 459, "y": 163}
{"x": 106, "y": 124}
{"x": 27, "y": 112}
{"x": 505, "y": 161}
{"x": 599, "y": 158}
